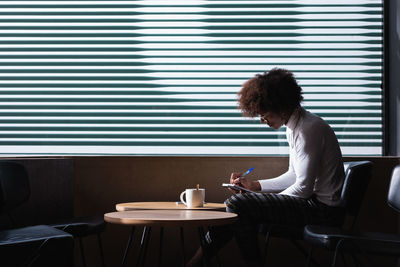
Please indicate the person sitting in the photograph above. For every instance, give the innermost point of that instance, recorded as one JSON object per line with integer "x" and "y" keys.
{"x": 307, "y": 193}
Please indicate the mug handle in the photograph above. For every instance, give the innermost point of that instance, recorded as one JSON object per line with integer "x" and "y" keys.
{"x": 181, "y": 197}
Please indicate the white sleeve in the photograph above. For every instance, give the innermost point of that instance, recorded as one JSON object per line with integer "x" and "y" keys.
{"x": 280, "y": 183}
{"x": 276, "y": 185}
{"x": 306, "y": 163}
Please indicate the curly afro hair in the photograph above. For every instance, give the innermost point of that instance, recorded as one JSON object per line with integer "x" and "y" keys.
{"x": 274, "y": 91}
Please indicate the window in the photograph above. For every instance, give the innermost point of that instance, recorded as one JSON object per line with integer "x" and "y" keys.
{"x": 161, "y": 77}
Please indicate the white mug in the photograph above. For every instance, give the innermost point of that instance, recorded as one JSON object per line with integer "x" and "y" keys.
{"x": 194, "y": 197}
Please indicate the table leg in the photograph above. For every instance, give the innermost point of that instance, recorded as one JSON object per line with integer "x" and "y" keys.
{"x": 128, "y": 246}
{"x": 183, "y": 246}
{"x": 146, "y": 244}
{"x": 160, "y": 251}
{"x": 141, "y": 247}
{"x": 203, "y": 242}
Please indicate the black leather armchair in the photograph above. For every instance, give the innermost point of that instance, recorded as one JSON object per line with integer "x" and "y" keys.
{"x": 364, "y": 243}
{"x": 39, "y": 245}
{"x": 15, "y": 187}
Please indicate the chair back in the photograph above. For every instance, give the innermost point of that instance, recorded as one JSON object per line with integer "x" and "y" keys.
{"x": 358, "y": 175}
{"x": 394, "y": 189}
{"x": 14, "y": 185}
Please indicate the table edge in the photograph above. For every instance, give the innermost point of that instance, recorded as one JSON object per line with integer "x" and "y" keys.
{"x": 149, "y": 222}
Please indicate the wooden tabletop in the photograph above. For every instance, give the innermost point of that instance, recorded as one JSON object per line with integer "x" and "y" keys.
{"x": 170, "y": 217}
{"x": 166, "y": 206}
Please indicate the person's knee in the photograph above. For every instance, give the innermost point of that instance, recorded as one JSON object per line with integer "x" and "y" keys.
{"x": 235, "y": 204}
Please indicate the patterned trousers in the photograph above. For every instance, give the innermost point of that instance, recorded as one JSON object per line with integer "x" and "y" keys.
{"x": 254, "y": 209}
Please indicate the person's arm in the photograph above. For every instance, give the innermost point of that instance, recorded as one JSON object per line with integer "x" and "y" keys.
{"x": 280, "y": 183}
{"x": 306, "y": 162}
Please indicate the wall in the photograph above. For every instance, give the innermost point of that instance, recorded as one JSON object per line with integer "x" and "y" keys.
{"x": 102, "y": 182}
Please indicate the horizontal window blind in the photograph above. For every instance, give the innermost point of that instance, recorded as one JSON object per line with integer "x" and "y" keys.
{"x": 161, "y": 77}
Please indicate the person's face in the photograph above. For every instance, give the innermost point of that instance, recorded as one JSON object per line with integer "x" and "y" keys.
{"x": 273, "y": 119}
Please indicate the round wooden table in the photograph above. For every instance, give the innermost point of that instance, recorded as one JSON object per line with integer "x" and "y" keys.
{"x": 170, "y": 217}
{"x": 166, "y": 205}
{"x": 166, "y": 218}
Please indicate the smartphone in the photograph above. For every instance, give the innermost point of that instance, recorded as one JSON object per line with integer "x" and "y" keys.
{"x": 237, "y": 188}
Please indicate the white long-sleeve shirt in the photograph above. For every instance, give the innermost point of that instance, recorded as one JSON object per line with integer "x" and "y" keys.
{"x": 315, "y": 161}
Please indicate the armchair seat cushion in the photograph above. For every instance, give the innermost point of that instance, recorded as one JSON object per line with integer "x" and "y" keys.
{"x": 38, "y": 245}
{"x": 13, "y": 237}
{"x": 329, "y": 237}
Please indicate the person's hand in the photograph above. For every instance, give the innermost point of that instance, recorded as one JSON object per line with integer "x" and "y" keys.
{"x": 236, "y": 179}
